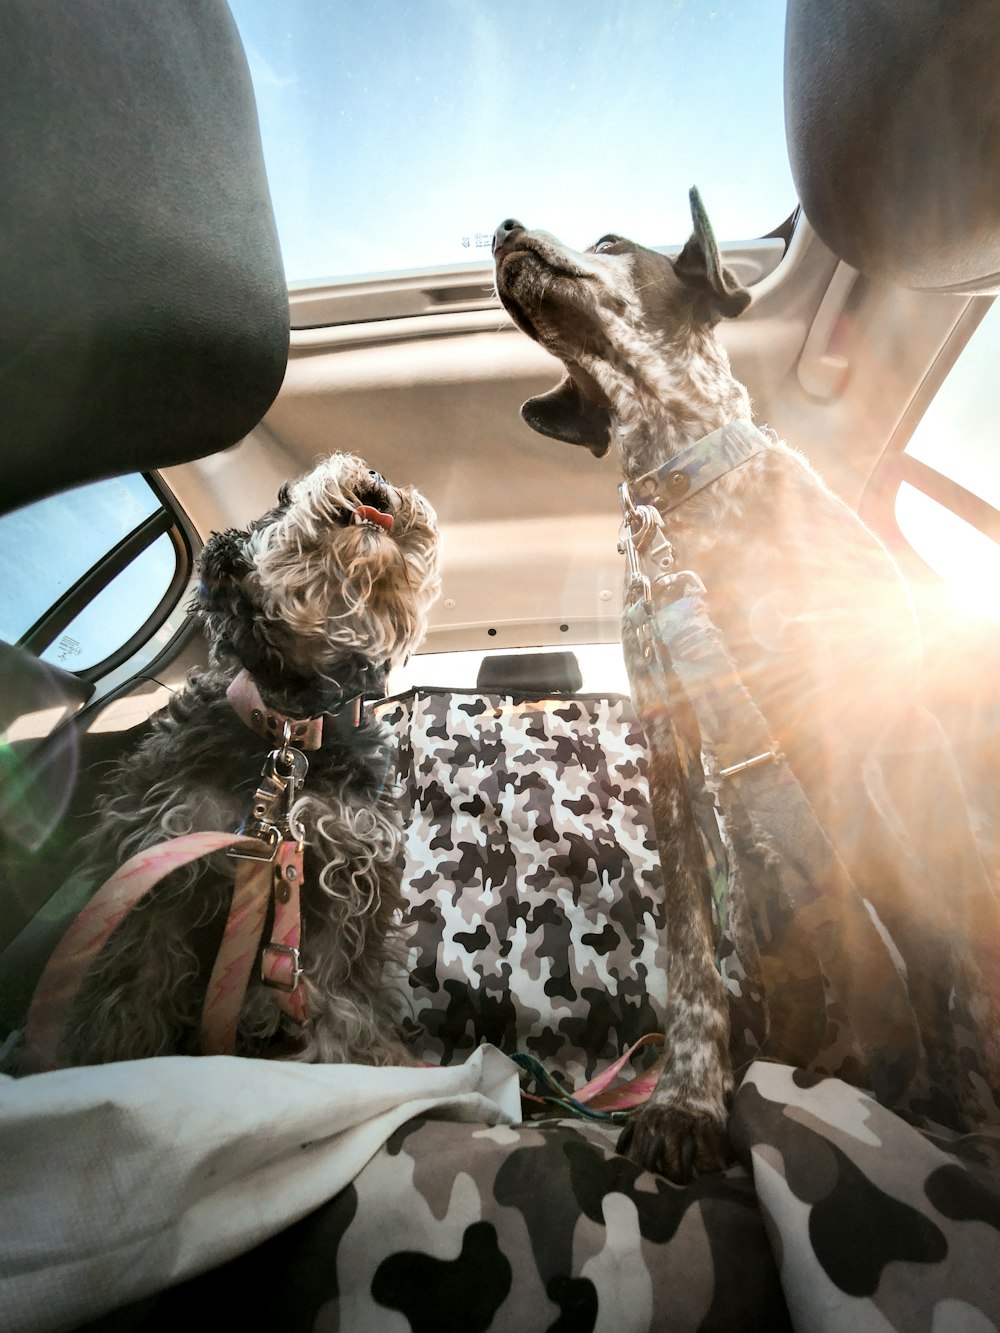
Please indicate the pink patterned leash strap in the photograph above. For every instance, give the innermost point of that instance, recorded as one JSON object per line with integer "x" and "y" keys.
{"x": 281, "y": 964}
{"x": 91, "y": 929}
{"x": 253, "y": 712}
{"x": 255, "y": 882}
{"x": 602, "y": 1098}
{"x": 604, "y": 1093}
{"x": 231, "y": 971}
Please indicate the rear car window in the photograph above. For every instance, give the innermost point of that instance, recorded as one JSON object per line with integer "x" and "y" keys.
{"x": 601, "y": 666}
{"x": 941, "y": 493}
{"x": 957, "y": 435}
{"x": 105, "y": 561}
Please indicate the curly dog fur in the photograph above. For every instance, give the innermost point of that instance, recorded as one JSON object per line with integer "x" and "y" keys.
{"x": 314, "y": 607}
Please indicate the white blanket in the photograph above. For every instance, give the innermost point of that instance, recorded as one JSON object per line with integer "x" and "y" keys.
{"x": 118, "y": 1180}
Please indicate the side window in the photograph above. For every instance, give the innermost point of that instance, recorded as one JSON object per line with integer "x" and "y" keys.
{"x": 84, "y": 572}
{"x": 942, "y": 492}
{"x": 958, "y": 434}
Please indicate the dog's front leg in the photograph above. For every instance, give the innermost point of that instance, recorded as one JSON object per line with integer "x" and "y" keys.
{"x": 681, "y": 1130}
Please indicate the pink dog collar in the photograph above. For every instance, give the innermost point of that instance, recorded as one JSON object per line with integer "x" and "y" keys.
{"x": 253, "y": 712}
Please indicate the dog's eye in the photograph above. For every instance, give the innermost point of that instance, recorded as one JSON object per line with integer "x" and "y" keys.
{"x": 605, "y": 243}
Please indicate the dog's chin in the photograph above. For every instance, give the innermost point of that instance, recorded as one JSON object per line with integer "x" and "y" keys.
{"x": 523, "y": 281}
{"x": 560, "y": 315}
{"x": 306, "y": 672}
{"x": 355, "y": 592}
{"x": 552, "y": 334}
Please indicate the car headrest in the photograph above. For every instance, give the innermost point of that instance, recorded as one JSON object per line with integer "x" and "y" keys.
{"x": 530, "y": 673}
{"x": 892, "y": 112}
{"x": 143, "y": 305}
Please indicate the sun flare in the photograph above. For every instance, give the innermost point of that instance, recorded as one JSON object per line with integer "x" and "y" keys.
{"x": 965, "y": 558}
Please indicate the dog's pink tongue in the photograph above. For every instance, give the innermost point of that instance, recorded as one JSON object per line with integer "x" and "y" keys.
{"x": 366, "y": 514}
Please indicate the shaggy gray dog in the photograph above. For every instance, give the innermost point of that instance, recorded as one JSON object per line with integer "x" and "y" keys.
{"x": 315, "y": 601}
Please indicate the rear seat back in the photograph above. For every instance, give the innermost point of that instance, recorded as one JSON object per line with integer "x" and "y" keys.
{"x": 534, "y": 894}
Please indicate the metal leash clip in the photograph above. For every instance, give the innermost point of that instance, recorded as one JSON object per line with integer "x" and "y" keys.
{"x": 681, "y": 581}
{"x": 642, "y": 527}
{"x": 270, "y": 817}
{"x": 639, "y": 524}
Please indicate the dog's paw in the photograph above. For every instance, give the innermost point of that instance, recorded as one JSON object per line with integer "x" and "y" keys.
{"x": 675, "y": 1142}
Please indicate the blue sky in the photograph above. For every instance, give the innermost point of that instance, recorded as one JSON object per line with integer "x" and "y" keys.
{"x": 395, "y": 129}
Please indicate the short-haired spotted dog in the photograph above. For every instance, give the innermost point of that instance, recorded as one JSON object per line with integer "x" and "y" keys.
{"x": 304, "y": 610}
{"x": 809, "y": 603}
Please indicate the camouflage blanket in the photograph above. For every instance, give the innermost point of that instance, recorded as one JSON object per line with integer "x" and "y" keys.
{"x": 837, "y": 1216}
{"x": 120, "y": 1179}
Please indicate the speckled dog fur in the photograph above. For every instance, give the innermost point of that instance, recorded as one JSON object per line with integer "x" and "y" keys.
{"x": 809, "y": 603}
{"x": 310, "y": 604}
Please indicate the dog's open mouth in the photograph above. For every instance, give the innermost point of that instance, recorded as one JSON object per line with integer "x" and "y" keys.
{"x": 374, "y": 505}
{"x": 365, "y": 514}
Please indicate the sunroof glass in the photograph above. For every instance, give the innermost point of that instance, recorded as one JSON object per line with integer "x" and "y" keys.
{"x": 398, "y": 134}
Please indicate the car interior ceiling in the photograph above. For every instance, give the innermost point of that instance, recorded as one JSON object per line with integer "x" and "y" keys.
{"x": 163, "y": 345}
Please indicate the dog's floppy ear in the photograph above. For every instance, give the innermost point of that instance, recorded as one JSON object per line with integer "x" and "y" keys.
{"x": 223, "y": 565}
{"x": 234, "y": 624}
{"x": 564, "y": 414}
{"x": 700, "y": 268}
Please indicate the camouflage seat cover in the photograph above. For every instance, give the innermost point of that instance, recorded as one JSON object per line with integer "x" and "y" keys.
{"x": 534, "y": 894}
{"x": 535, "y": 916}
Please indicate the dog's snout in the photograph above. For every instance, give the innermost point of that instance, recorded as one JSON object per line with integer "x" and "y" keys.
{"x": 374, "y": 491}
{"x": 505, "y": 231}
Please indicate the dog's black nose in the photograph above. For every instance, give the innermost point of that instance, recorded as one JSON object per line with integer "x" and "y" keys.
{"x": 505, "y": 231}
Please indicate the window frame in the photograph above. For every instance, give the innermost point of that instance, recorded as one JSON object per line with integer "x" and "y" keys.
{"x": 166, "y": 520}
{"x": 877, "y": 507}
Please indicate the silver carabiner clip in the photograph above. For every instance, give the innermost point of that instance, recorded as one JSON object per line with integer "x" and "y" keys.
{"x": 636, "y": 581}
{"x": 639, "y": 524}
